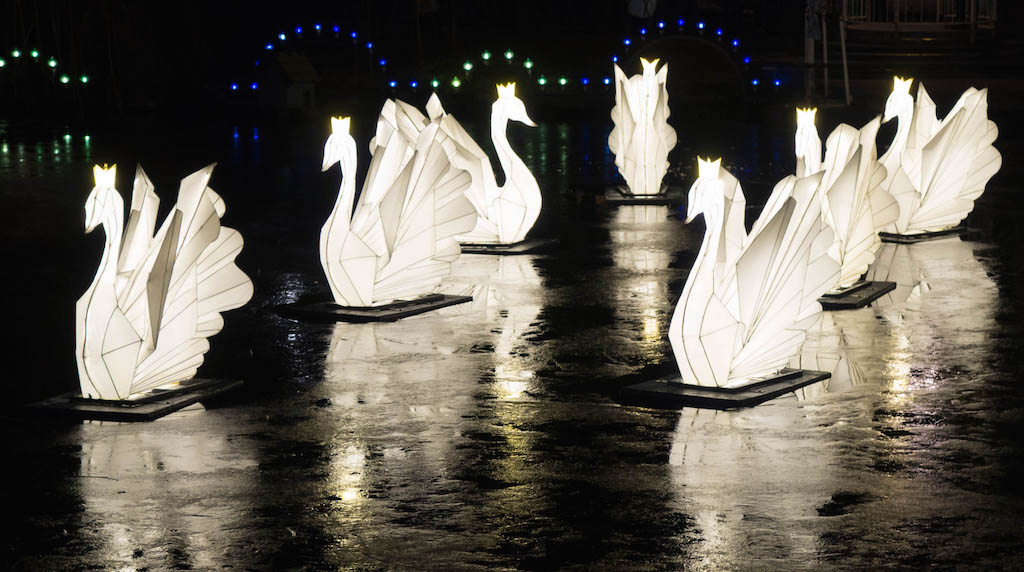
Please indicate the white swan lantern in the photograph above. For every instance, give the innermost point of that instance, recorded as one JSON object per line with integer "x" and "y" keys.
{"x": 937, "y": 169}
{"x": 398, "y": 242}
{"x": 854, "y": 203}
{"x": 749, "y": 299}
{"x": 641, "y": 137}
{"x": 156, "y": 298}
{"x": 505, "y": 213}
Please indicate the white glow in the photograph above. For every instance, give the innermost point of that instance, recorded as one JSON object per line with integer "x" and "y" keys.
{"x": 808, "y": 144}
{"x": 853, "y": 201}
{"x": 641, "y": 137}
{"x": 937, "y": 169}
{"x": 749, "y": 299}
{"x": 508, "y": 212}
{"x": 398, "y": 242}
{"x": 144, "y": 320}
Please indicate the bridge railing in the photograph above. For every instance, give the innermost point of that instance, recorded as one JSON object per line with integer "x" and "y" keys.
{"x": 918, "y": 14}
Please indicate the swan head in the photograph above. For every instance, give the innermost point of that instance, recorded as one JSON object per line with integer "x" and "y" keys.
{"x": 100, "y": 199}
{"x": 649, "y": 67}
{"x": 512, "y": 106}
{"x": 900, "y": 98}
{"x": 703, "y": 188}
{"x": 805, "y": 118}
{"x": 338, "y": 142}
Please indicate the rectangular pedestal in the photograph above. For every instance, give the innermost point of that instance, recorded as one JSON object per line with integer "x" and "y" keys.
{"x": 857, "y": 296}
{"x": 620, "y": 195}
{"x": 921, "y": 236}
{"x": 147, "y": 406}
{"x": 526, "y": 246}
{"x": 330, "y": 312}
{"x": 672, "y": 393}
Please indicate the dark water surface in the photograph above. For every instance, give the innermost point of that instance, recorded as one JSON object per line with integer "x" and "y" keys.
{"x": 488, "y": 435}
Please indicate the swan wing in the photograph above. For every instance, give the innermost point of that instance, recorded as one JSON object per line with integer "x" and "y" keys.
{"x": 138, "y": 234}
{"x": 623, "y": 127}
{"x": 955, "y": 166}
{"x": 433, "y": 211}
{"x": 193, "y": 279}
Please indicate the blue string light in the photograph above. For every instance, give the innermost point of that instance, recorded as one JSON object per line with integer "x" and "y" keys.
{"x": 336, "y": 29}
{"x": 413, "y": 84}
{"x": 392, "y": 83}
{"x": 254, "y": 86}
{"x": 700, "y": 25}
{"x": 754, "y": 81}
{"x": 626, "y": 41}
{"x": 369, "y": 45}
{"x": 316, "y": 27}
{"x": 615, "y": 59}
{"x": 680, "y": 22}
{"x": 234, "y": 87}
{"x": 607, "y": 81}
{"x": 643, "y": 31}
{"x": 281, "y": 36}
{"x": 353, "y": 34}
{"x": 269, "y": 47}
{"x": 383, "y": 62}
{"x": 661, "y": 24}
{"x": 585, "y": 81}
{"x": 718, "y": 32}
{"x": 777, "y": 83}
{"x": 298, "y": 29}
{"x": 746, "y": 59}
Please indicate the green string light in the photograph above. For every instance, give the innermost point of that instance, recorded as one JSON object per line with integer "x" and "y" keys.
{"x": 434, "y": 83}
{"x": 35, "y": 53}
{"x": 84, "y": 79}
{"x": 52, "y": 63}
{"x": 64, "y": 79}
{"x": 509, "y": 54}
{"x": 468, "y": 65}
{"x": 542, "y": 80}
{"x": 562, "y": 80}
{"x": 456, "y": 82}
{"x": 16, "y": 53}
{"x": 486, "y": 55}
{"x": 528, "y": 64}
{"x": 2, "y": 63}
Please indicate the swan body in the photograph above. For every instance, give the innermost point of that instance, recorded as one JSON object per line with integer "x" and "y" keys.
{"x": 156, "y": 298}
{"x": 505, "y": 213}
{"x": 937, "y": 169}
{"x": 398, "y": 241}
{"x": 750, "y": 298}
{"x": 854, "y": 203}
{"x": 641, "y": 137}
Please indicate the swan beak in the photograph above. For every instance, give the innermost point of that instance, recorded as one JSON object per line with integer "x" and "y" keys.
{"x": 527, "y": 121}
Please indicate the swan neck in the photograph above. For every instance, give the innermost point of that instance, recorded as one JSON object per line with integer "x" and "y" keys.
{"x": 506, "y": 156}
{"x": 347, "y": 192}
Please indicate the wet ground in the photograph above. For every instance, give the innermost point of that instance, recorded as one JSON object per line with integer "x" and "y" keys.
{"x": 489, "y": 435}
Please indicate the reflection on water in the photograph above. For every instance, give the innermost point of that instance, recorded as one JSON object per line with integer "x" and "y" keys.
{"x": 897, "y": 263}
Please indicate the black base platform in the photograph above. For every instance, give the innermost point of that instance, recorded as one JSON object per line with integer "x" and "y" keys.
{"x": 330, "y": 312}
{"x": 146, "y": 406}
{"x": 672, "y": 393}
{"x": 921, "y": 236}
{"x": 620, "y": 195}
{"x": 526, "y": 246}
{"x": 856, "y": 296}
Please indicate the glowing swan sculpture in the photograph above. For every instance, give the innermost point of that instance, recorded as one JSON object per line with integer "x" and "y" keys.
{"x": 398, "y": 242}
{"x": 145, "y": 319}
{"x": 641, "y": 137}
{"x": 508, "y": 212}
{"x": 750, "y": 298}
{"x": 937, "y": 169}
{"x": 854, "y": 203}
